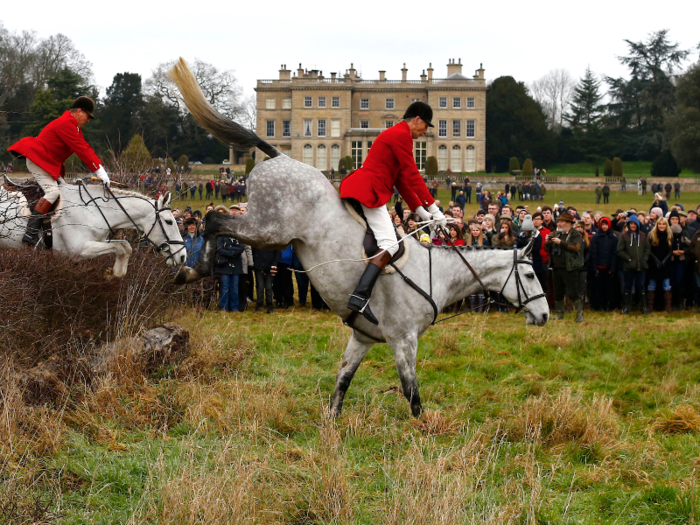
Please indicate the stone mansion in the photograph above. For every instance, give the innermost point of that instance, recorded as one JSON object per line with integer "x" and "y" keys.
{"x": 318, "y": 120}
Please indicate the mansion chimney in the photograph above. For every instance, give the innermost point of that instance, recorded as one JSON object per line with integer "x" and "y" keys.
{"x": 454, "y": 67}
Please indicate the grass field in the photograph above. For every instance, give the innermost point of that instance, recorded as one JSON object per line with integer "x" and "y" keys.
{"x": 522, "y": 425}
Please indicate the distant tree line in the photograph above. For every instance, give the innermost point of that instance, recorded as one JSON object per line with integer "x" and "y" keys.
{"x": 651, "y": 114}
{"x": 40, "y": 78}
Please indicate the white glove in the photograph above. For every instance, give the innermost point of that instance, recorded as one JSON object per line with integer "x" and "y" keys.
{"x": 437, "y": 216}
{"x": 423, "y": 213}
{"x": 102, "y": 175}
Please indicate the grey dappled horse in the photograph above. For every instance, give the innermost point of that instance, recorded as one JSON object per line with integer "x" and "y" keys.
{"x": 292, "y": 203}
{"x": 81, "y": 225}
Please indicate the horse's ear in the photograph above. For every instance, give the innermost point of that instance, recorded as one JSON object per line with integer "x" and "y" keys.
{"x": 167, "y": 196}
{"x": 527, "y": 250}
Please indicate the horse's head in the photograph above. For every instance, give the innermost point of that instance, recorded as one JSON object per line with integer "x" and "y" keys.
{"x": 522, "y": 288}
{"x": 165, "y": 234}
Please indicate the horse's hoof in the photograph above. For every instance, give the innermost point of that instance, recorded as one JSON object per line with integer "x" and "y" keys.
{"x": 108, "y": 274}
{"x": 186, "y": 275}
{"x": 334, "y": 413}
{"x": 416, "y": 410}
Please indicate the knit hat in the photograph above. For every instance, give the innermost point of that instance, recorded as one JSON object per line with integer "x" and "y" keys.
{"x": 221, "y": 208}
{"x": 673, "y": 213}
{"x": 605, "y": 220}
{"x": 425, "y": 237}
{"x": 658, "y": 212}
{"x": 527, "y": 225}
{"x": 489, "y": 216}
{"x": 676, "y": 228}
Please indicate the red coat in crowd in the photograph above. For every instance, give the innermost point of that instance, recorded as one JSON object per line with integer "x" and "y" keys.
{"x": 389, "y": 163}
{"x": 56, "y": 142}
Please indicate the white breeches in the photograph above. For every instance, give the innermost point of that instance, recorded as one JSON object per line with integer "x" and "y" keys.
{"x": 380, "y": 222}
{"x": 46, "y": 181}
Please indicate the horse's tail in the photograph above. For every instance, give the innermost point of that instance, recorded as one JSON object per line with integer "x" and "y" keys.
{"x": 221, "y": 127}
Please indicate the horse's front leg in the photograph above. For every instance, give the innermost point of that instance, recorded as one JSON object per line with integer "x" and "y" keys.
{"x": 405, "y": 357}
{"x": 355, "y": 352}
{"x": 121, "y": 249}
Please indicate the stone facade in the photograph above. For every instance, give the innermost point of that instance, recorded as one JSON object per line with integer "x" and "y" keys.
{"x": 318, "y": 120}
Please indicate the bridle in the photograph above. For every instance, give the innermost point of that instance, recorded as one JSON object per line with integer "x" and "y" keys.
{"x": 143, "y": 235}
{"x": 519, "y": 283}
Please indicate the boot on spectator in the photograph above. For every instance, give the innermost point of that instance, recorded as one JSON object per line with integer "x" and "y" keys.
{"x": 651, "y": 295}
{"x": 668, "y": 299}
{"x": 578, "y": 308}
{"x": 473, "y": 303}
{"x": 643, "y": 302}
{"x": 626, "y": 301}
{"x": 483, "y": 304}
{"x": 560, "y": 308}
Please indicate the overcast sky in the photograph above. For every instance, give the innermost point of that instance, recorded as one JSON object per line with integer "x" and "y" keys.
{"x": 521, "y": 39}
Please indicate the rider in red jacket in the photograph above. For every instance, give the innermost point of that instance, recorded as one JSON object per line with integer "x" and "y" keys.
{"x": 46, "y": 154}
{"x": 389, "y": 163}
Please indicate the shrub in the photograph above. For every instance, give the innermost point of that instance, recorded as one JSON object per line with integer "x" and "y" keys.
{"x": 513, "y": 165}
{"x": 183, "y": 162}
{"x": 431, "y": 166}
{"x": 170, "y": 164}
{"x": 53, "y": 303}
{"x": 608, "y": 168}
{"x": 665, "y": 165}
{"x": 349, "y": 163}
{"x": 249, "y": 165}
{"x": 617, "y": 167}
{"x": 597, "y": 173}
{"x": 527, "y": 168}
{"x": 341, "y": 164}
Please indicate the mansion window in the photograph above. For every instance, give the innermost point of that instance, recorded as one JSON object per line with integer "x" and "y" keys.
{"x": 286, "y": 128}
{"x": 442, "y": 158}
{"x": 364, "y": 103}
{"x": 321, "y": 128}
{"x": 443, "y": 102}
{"x": 421, "y": 154}
{"x": 471, "y": 128}
{"x": 364, "y": 124}
{"x": 286, "y": 103}
{"x": 456, "y": 103}
{"x": 356, "y": 151}
{"x": 335, "y": 128}
{"x": 335, "y": 156}
{"x": 442, "y": 128}
{"x": 321, "y": 102}
{"x": 270, "y": 103}
{"x": 390, "y": 103}
{"x": 270, "y": 128}
{"x": 308, "y": 155}
{"x": 335, "y": 102}
{"x": 456, "y": 128}
{"x": 308, "y": 102}
{"x": 321, "y": 157}
{"x": 388, "y": 124}
{"x": 308, "y": 127}
{"x": 470, "y": 102}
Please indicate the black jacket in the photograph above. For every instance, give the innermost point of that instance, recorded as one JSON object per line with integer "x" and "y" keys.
{"x": 228, "y": 256}
{"x": 265, "y": 259}
{"x": 660, "y": 260}
{"x": 603, "y": 251}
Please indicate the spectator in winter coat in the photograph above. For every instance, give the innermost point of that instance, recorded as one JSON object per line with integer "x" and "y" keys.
{"x": 633, "y": 250}
{"x": 461, "y": 201}
{"x": 660, "y": 241}
{"x": 680, "y": 244}
{"x": 602, "y": 263}
{"x": 659, "y": 202}
{"x": 282, "y": 286}
{"x": 566, "y": 259}
{"x": 193, "y": 242}
{"x": 265, "y": 264}
{"x": 229, "y": 268}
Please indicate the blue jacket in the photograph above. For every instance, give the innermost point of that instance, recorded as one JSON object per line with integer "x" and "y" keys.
{"x": 287, "y": 255}
{"x": 193, "y": 244}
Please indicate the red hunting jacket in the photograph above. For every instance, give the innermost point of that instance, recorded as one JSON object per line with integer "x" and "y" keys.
{"x": 389, "y": 163}
{"x": 56, "y": 142}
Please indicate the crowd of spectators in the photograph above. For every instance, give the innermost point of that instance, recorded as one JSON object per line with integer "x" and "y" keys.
{"x": 633, "y": 258}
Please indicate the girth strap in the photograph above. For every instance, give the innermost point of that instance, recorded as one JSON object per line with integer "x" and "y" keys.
{"x": 418, "y": 289}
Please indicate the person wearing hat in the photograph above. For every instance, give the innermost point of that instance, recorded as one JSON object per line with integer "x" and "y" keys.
{"x": 47, "y": 152}
{"x": 564, "y": 247}
{"x": 633, "y": 249}
{"x": 390, "y": 163}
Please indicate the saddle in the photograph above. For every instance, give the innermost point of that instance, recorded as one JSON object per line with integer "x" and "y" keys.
{"x": 31, "y": 191}
{"x": 369, "y": 243}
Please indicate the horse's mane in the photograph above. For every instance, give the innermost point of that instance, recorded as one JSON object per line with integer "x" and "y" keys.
{"x": 130, "y": 193}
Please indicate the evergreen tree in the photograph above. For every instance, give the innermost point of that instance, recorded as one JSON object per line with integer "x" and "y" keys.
{"x": 123, "y": 107}
{"x": 608, "y": 168}
{"x": 249, "y": 165}
{"x": 513, "y": 165}
{"x": 431, "y": 166}
{"x": 665, "y": 165}
{"x": 136, "y": 158}
{"x": 684, "y": 125}
{"x": 527, "y": 168}
{"x": 586, "y": 111}
{"x": 183, "y": 162}
{"x": 617, "y": 167}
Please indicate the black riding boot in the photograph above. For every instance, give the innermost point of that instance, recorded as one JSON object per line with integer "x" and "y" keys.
{"x": 359, "y": 299}
{"x": 31, "y": 236}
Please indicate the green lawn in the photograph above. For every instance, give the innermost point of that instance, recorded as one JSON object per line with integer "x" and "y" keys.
{"x": 586, "y": 424}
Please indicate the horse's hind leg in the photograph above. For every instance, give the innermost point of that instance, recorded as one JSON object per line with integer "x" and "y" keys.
{"x": 405, "y": 358}
{"x": 354, "y": 354}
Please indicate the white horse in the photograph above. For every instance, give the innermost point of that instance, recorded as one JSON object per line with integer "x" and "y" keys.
{"x": 85, "y": 217}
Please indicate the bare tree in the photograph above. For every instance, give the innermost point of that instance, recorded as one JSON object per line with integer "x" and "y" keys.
{"x": 58, "y": 52}
{"x": 553, "y": 92}
{"x": 249, "y": 116}
{"x": 219, "y": 87}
